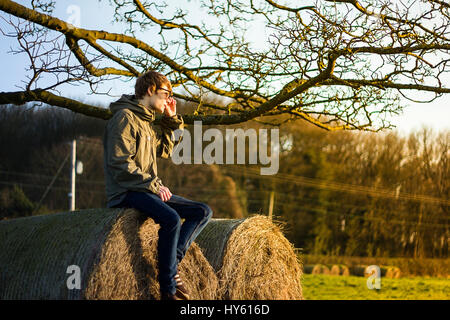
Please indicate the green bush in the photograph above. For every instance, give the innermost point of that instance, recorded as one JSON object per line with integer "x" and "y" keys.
{"x": 14, "y": 203}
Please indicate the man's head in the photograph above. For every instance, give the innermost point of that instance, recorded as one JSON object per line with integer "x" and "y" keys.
{"x": 153, "y": 89}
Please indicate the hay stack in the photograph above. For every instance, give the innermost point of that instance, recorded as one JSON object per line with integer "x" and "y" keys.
{"x": 392, "y": 272}
{"x": 197, "y": 274}
{"x": 320, "y": 269}
{"x": 385, "y": 271}
{"x": 113, "y": 248}
{"x": 358, "y": 270}
{"x": 252, "y": 258}
{"x": 339, "y": 270}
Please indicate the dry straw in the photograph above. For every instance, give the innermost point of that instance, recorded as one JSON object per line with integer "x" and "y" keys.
{"x": 320, "y": 269}
{"x": 252, "y": 258}
{"x": 198, "y": 276}
{"x": 339, "y": 270}
{"x": 391, "y": 272}
{"x": 114, "y": 248}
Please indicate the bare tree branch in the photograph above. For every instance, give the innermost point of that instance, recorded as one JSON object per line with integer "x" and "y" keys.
{"x": 339, "y": 65}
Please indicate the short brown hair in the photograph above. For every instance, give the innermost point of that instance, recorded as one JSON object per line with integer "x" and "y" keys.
{"x": 150, "y": 80}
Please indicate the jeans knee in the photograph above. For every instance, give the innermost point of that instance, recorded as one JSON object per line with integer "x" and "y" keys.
{"x": 171, "y": 221}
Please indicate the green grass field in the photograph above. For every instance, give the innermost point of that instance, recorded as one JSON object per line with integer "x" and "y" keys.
{"x": 326, "y": 287}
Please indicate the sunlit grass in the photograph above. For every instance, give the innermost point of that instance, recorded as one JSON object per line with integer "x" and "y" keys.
{"x": 325, "y": 287}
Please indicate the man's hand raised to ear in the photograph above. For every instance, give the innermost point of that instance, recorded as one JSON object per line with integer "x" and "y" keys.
{"x": 171, "y": 107}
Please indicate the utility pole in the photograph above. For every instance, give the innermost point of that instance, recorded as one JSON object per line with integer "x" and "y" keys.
{"x": 72, "y": 176}
{"x": 272, "y": 195}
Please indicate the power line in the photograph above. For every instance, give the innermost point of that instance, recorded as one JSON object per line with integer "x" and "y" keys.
{"x": 40, "y": 186}
{"x": 79, "y": 180}
{"x": 283, "y": 195}
{"x": 338, "y": 186}
{"x": 25, "y": 174}
{"x": 254, "y": 200}
{"x": 325, "y": 202}
{"x": 51, "y": 184}
{"x": 329, "y": 185}
{"x": 326, "y": 210}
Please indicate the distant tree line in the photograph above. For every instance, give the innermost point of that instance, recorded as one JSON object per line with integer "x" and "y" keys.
{"x": 337, "y": 193}
{"x": 324, "y": 220}
{"x": 34, "y": 142}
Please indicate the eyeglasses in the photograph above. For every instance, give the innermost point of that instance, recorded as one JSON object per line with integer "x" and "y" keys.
{"x": 167, "y": 94}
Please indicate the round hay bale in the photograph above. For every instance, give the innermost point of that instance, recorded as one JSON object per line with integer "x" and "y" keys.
{"x": 307, "y": 269}
{"x": 392, "y": 272}
{"x": 358, "y": 270}
{"x": 344, "y": 270}
{"x": 372, "y": 270}
{"x": 385, "y": 271}
{"x": 198, "y": 276}
{"x": 339, "y": 270}
{"x": 334, "y": 271}
{"x": 397, "y": 273}
{"x": 214, "y": 238}
{"x": 320, "y": 269}
{"x": 252, "y": 258}
{"x": 105, "y": 245}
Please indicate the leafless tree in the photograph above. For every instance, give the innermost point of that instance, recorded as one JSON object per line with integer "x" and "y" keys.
{"x": 339, "y": 64}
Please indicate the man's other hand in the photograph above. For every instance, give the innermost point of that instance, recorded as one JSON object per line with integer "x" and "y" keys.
{"x": 164, "y": 193}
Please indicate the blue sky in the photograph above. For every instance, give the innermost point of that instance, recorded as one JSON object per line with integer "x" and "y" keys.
{"x": 97, "y": 15}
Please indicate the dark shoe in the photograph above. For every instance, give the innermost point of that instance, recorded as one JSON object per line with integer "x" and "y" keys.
{"x": 169, "y": 296}
{"x": 181, "y": 292}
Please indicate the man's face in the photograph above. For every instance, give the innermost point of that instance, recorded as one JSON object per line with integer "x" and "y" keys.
{"x": 160, "y": 98}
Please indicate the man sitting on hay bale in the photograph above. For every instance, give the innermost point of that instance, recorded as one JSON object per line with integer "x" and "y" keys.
{"x": 131, "y": 144}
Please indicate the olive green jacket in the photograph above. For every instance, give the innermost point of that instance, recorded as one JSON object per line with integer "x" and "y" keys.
{"x": 131, "y": 144}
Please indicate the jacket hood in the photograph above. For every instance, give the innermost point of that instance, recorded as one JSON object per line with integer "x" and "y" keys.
{"x": 130, "y": 102}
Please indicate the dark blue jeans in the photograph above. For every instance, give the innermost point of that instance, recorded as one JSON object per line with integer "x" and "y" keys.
{"x": 174, "y": 237}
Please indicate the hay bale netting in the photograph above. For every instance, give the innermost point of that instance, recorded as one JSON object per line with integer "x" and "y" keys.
{"x": 358, "y": 270}
{"x": 252, "y": 258}
{"x": 339, "y": 270}
{"x": 36, "y": 252}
